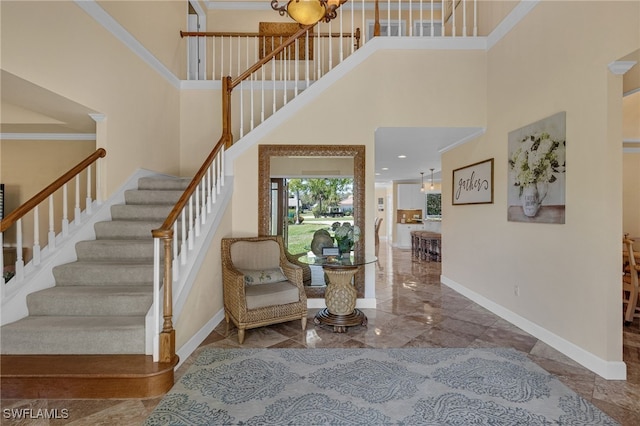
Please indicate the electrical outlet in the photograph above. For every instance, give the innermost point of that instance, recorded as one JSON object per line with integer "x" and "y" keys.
{"x": 516, "y": 290}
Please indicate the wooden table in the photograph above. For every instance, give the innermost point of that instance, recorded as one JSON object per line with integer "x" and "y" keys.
{"x": 340, "y": 295}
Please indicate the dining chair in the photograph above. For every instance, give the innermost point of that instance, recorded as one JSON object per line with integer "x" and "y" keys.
{"x": 630, "y": 279}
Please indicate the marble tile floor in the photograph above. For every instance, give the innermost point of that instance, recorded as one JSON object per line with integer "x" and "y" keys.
{"x": 413, "y": 310}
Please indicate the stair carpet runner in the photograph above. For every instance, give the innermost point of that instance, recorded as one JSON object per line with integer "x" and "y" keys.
{"x": 99, "y": 302}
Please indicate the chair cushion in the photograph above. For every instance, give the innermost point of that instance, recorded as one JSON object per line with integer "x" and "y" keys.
{"x": 280, "y": 293}
{"x": 255, "y": 255}
{"x": 263, "y": 276}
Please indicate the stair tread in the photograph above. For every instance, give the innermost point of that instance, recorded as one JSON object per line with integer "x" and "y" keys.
{"x": 99, "y": 290}
{"x": 41, "y": 323}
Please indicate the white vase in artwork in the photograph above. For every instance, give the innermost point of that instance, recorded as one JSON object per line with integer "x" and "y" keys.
{"x": 530, "y": 200}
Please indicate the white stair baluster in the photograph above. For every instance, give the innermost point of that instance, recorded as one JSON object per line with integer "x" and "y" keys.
{"x": 475, "y": 18}
{"x": 99, "y": 182}
{"x": 341, "y": 41}
{"x": 77, "y": 211}
{"x": 19, "y": 260}
{"x": 442, "y": 13}
{"x": 296, "y": 67}
{"x": 51, "y": 240}
{"x": 464, "y": 18}
{"x": 88, "y": 200}
{"x": 183, "y": 238}
{"x": 175, "y": 261}
{"x": 453, "y": 19}
{"x": 65, "y": 211}
{"x": 190, "y": 227}
{"x": 36, "y": 236}
{"x": 197, "y": 212}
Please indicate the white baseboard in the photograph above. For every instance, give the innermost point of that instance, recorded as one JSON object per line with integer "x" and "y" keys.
{"x": 609, "y": 370}
{"x": 192, "y": 344}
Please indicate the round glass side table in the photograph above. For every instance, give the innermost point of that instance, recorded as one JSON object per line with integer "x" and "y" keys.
{"x": 340, "y": 295}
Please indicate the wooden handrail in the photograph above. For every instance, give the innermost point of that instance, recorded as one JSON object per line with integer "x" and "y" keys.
{"x": 238, "y": 34}
{"x": 255, "y": 67}
{"x": 25, "y": 208}
{"x": 167, "y": 225}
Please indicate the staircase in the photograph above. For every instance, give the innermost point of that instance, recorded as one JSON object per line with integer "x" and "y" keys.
{"x": 91, "y": 324}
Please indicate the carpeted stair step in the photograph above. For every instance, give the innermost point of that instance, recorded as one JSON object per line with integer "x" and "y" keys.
{"x": 137, "y": 196}
{"x": 163, "y": 183}
{"x": 148, "y": 212}
{"x": 130, "y": 250}
{"x": 103, "y": 273}
{"x": 74, "y": 335}
{"x": 91, "y": 300}
{"x": 125, "y": 229}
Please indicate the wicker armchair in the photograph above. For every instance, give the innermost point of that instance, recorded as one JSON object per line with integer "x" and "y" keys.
{"x": 260, "y": 286}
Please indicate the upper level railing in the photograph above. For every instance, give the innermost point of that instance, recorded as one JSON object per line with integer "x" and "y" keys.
{"x": 213, "y": 55}
{"x": 55, "y": 198}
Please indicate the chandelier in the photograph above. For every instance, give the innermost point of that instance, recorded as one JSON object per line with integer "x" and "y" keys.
{"x": 309, "y": 12}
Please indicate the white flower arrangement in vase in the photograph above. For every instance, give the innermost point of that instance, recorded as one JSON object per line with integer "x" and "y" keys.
{"x": 536, "y": 163}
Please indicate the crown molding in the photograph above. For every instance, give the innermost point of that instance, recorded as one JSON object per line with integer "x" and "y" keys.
{"x": 48, "y": 136}
{"x": 621, "y": 67}
{"x": 93, "y": 9}
{"x": 517, "y": 14}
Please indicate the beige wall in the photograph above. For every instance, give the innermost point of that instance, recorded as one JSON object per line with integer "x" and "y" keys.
{"x": 205, "y": 299}
{"x": 563, "y": 271}
{"x": 75, "y": 57}
{"x": 462, "y": 91}
{"x": 160, "y": 34}
{"x": 27, "y": 167}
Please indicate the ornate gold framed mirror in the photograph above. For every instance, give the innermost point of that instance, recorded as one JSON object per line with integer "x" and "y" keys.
{"x": 356, "y": 152}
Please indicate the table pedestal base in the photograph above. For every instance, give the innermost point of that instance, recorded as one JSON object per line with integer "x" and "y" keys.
{"x": 340, "y": 322}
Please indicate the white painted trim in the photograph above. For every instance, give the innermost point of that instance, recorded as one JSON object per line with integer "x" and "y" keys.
{"x": 631, "y": 92}
{"x": 507, "y": 24}
{"x": 192, "y": 344}
{"x": 94, "y": 10}
{"x": 621, "y": 67}
{"x": 201, "y": 85}
{"x": 629, "y": 150}
{"x": 610, "y": 370}
{"x": 462, "y": 141}
{"x": 198, "y": 8}
{"x": 98, "y": 117}
{"x": 48, "y": 136}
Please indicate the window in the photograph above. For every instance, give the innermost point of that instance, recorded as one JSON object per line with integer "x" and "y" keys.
{"x": 387, "y": 28}
{"x": 425, "y": 27}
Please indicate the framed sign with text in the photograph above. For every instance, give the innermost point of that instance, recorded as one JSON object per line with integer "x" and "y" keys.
{"x": 473, "y": 184}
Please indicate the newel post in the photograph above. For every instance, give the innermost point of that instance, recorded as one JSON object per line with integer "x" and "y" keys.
{"x": 226, "y": 111}
{"x": 168, "y": 334}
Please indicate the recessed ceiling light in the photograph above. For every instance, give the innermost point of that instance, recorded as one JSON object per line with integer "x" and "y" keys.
{"x": 377, "y": 174}
{"x": 385, "y": 168}
{"x": 402, "y": 156}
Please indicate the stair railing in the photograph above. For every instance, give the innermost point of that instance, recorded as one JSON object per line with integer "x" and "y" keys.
{"x": 177, "y": 235}
{"x": 11, "y": 227}
{"x": 284, "y": 80}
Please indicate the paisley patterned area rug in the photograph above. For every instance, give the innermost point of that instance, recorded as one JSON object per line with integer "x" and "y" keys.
{"x": 412, "y": 386}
